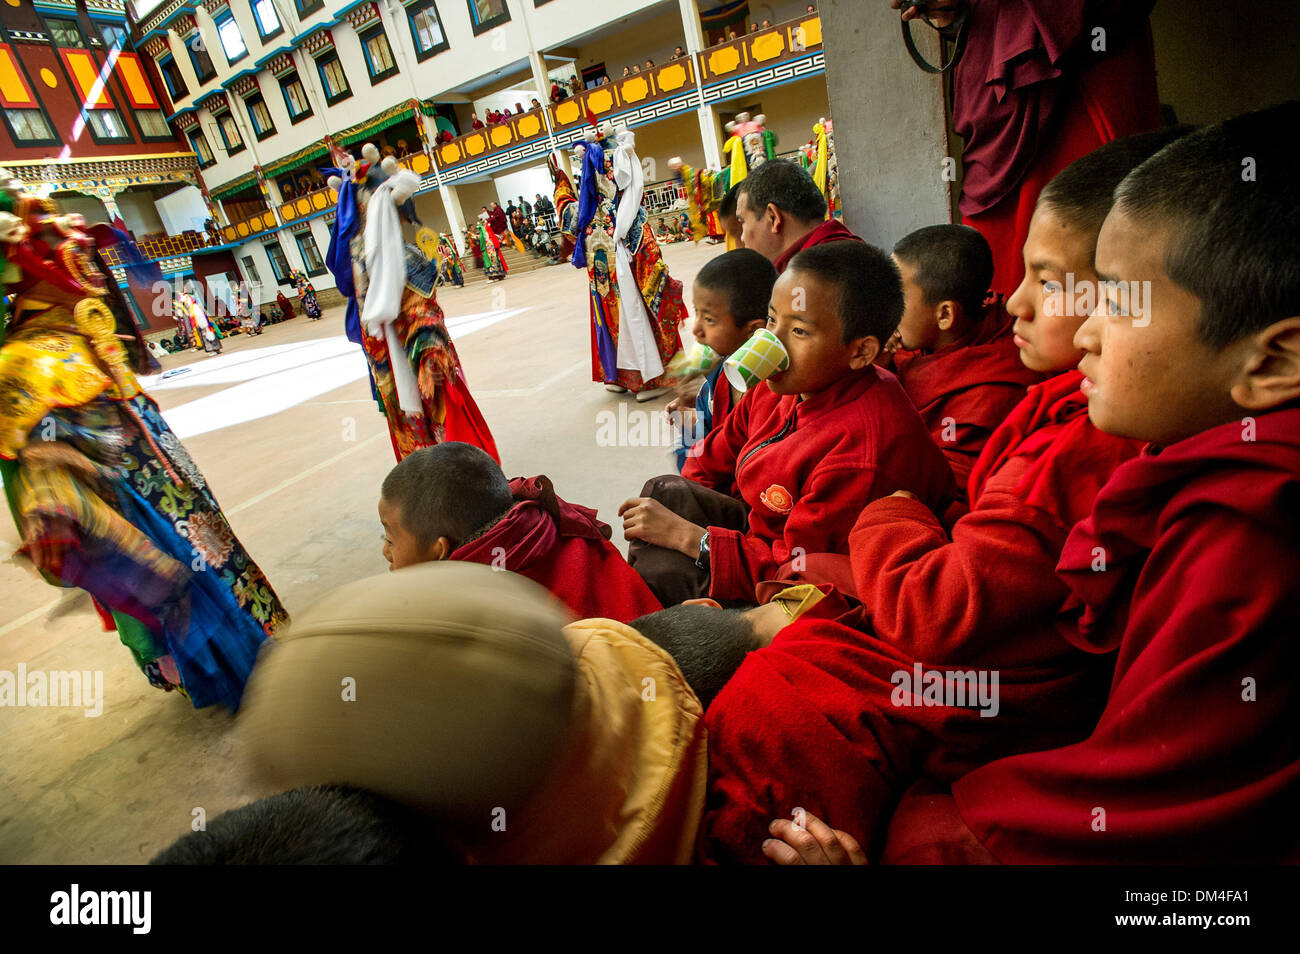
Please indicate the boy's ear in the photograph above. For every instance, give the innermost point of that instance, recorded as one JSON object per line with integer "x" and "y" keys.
{"x": 1271, "y": 375}
{"x": 753, "y": 325}
{"x": 441, "y": 550}
{"x": 946, "y": 314}
{"x": 863, "y": 351}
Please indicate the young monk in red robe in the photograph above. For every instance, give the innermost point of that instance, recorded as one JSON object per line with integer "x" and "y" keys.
{"x": 856, "y": 728}
{"x": 452, "y": 502}
{"x": 1187, "y": 565}
{"x": 957, "y": 359}
{"x": 803, "y": 451}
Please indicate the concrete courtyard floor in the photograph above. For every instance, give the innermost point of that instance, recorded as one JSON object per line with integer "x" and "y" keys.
{"x": 285, "y": 431}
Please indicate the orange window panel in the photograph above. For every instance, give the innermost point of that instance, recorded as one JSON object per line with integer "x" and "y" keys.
{"x": 138, "y": 90}
{"x": 85, "y": 77}
{"x": 14, "y": 91}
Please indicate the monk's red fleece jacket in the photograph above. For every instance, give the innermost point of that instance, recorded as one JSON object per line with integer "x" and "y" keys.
{"x": 989, "y": 593}
{"x": 807, "y": 468}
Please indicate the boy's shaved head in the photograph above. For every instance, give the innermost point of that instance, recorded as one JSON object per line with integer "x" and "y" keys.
{"x": 745, "y": 279}
{"x": 865, "y": 283}
{"x": 707, "y": 643}
{"x": 1082, "y": 192}
{"x": 451, "y": 490}
{"x": 1229, "y": 200}
{"x": 949, "y": 263}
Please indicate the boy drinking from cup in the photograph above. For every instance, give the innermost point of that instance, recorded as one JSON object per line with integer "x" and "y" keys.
{"x": 803, "y": 452}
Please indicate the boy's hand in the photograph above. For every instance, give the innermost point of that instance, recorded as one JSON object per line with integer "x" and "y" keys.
{"x": 646, "y": 519}
{"x": 807, "y": 840}
{"x": 904, "y": 493}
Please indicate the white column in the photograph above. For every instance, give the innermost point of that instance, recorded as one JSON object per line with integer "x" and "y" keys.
{"x": 540, "y": 76}
{"x": 691, "y": 28}
{"x": 710, "y": 128}
{"x": 455, "y": 218}
{"x": 710, "y": 136}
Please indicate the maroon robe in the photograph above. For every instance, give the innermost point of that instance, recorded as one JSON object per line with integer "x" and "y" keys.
{"x": 966, "y": 390}
{"x": 829, "y": 231}
{"x": 1195, "y": 758}
{"x": 563, "y": 547}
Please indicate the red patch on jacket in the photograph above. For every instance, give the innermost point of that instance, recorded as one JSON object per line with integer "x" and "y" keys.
{"x": 777, "y": 498}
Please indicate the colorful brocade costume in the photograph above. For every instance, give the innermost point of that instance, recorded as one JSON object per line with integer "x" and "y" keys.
{"x": 393, "y": 313}
{"x": 636, "y": 306}
{"x": 705, "y": 190}
{"x": 818, "y": 157}
{"x": 104, "y": 495}
{"x": 306, "y": 295}
{"x": 566, "y": 207}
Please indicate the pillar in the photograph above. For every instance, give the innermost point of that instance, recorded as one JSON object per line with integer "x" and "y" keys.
{"x": 110, "y": 206}
{"x": 537, "y": 64}
{"x": 691, "y": 29}
{"x": 891, "y": 148}
{"x": 455, "y": 217}
{"x": 711, "y": 136}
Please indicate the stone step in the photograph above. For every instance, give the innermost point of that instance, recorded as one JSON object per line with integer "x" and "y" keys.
{"x": 517, "y": 265}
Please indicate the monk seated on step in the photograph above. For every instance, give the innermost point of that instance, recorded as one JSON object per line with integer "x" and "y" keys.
{"x": 948, "y": 619}
{"x": 453, "y": 502}
{"x": 1186, "y": 567}
{"x": 957, "y": 358}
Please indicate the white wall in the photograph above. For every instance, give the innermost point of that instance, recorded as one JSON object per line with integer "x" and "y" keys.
{"x": 506, "y": 99}
{"x": 265, "y": 291}
{"x": 74, "y": 203}
{"x": 526, "y": 182}
{"x": 139, "y": 212}
{"x": 183, "y": 209}
{"x": 558, "y": 22}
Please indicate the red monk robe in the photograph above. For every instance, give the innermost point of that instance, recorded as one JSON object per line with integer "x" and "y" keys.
{"x": 829, "y": 231}
{"x": 989, "y": 594}
{"x": 1195, "y": 758}
{"x": 987, "y": 598}
{"x": 806, "y": 468}
{"x": 966, "y": 390}
{"x": 563, "y": 547}
{"x": 1034, "y": 91}
{"x": 810, "y": 722}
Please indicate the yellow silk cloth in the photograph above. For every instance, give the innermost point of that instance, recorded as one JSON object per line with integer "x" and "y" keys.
{"x": 56, "y": 357}
{"x": 798, "y": 599}
{"x": 819, "y": 170}
{"x": 739, "y": 163}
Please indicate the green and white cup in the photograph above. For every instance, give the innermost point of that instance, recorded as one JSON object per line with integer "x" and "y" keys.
{"x": 700, "y": 359}
{"x": 756, "y": 360}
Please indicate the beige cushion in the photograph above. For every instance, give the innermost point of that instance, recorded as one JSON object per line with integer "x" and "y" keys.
{"x": 464, "y": 691}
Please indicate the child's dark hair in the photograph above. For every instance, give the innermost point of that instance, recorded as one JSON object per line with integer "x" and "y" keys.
{"x": 319, "y": 825}
{"x": 1082, "y": 193}
{"x": 949, "y": 263}
{"x": 1228, "y": 199}
{"x": 867, "y": 286}
{"x": 745, "y": 278}
{"x": 787, "y": 186}
{"x": 451, "y": 490}
{"x": 727, "y": 208}
{"x": 708, "y": 643}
